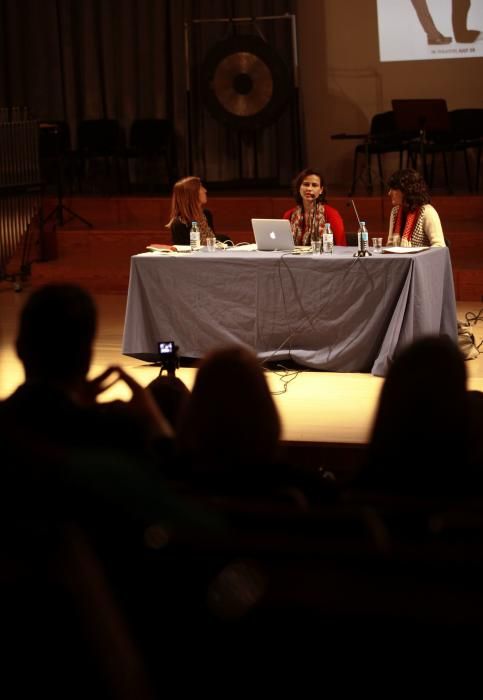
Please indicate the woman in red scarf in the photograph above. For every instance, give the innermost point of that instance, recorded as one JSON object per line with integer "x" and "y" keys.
{"x": 412, "y": 218}
{"x": 312, "y": 213}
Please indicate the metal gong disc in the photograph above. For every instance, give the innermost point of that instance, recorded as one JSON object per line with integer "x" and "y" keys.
{"x": 244, "y": 83}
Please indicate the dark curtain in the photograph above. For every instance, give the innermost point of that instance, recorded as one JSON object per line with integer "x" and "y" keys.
{"x": 266, "y": 154}
{"x": 125, "y": 59}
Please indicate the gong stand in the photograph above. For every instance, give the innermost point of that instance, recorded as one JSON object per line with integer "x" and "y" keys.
{"x": 245, "y": 85}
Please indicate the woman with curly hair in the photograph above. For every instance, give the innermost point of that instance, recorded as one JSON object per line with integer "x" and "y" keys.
{"x": 413, "y": 221}
{"x": 312, "y": 212}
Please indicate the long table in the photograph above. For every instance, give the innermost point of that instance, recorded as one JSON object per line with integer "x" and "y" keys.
{"x": 329, "y": 312}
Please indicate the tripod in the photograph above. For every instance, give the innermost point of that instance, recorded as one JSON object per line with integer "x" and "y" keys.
{"x": 57, "y": 212}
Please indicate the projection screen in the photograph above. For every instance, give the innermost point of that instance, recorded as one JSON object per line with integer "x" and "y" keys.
{"x": 423, "y": 30}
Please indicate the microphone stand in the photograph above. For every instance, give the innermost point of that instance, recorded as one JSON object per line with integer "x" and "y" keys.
{"x": 58, "y": 211}
{"x": 357, "y": 215}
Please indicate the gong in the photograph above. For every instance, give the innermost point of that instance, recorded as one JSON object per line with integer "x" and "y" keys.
{"x": 244, "y": 83}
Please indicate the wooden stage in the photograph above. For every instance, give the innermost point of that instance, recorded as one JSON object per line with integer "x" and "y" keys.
{"x": 326, "y": 416}
{"x": 123, "y": 226}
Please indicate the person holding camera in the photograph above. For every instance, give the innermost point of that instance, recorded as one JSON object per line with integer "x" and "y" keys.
{"x": 59, "y": 443}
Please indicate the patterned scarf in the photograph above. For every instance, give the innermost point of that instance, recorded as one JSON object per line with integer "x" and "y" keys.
{"x": 205, "y": 230}
{"x": 413, "y": 234}
{"x": 302, "y": 229}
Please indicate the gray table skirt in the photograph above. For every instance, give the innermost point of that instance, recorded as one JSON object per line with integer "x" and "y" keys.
{"x": 335, "y": 313}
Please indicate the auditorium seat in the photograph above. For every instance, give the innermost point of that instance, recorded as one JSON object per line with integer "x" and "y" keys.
{"x": 63, "y": 632}
{"x": 467, "y": 133}
{"x": 383, "y": 138}
{"x": 57, "y": 160}
{"x": 100, "y": 146}
{"x": 151, "y": 146}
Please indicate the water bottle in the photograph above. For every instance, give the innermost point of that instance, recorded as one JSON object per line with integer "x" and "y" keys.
{"x": 362, "y": 241}
{"x": 328, "y": 240}
{"x": 195, "y": 240}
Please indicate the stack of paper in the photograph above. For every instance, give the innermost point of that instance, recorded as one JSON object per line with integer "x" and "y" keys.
{"x": 405, "y": 249}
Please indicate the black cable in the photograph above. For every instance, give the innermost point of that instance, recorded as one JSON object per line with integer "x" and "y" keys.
{"x": 286, "y": 377}
{"x": 471, "y": 317}
{"x": 306, "y": 318}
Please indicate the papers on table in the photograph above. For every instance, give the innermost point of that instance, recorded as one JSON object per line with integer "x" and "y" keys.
{"x": 164, "y": 248}
{"x": 405, "y": 249}
{"x": 243, "y": 247}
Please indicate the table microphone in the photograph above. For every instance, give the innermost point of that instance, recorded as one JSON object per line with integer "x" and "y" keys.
{"x": 355, "y": 210}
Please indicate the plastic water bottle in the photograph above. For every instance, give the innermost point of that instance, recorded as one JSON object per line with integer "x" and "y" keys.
{"x": 195, "y": 240}
{"x": 362, "y": 241}
{"x": 328, "y": 240}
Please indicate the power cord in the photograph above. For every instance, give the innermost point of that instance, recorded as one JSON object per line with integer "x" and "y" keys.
{"x": 473, "y": 318}
{"x": 305, "y": 317}
{"x": 285, "y": 377}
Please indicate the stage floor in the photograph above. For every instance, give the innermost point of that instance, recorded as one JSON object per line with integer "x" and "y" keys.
{"x": 315, "y": 407}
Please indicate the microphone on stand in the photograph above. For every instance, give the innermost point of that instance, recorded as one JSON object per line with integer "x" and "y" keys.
{"x": 355, "y": 209}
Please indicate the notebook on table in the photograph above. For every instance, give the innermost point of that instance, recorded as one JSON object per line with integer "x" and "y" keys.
{"x": 273, "y": 234}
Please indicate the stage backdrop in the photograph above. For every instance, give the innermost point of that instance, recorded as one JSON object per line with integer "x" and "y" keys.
{"x": 128, "y": 59}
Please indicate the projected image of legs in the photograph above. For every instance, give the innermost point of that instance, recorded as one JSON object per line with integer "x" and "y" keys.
{"x": 459, "y": 19}
{"x": 427, "y": 23}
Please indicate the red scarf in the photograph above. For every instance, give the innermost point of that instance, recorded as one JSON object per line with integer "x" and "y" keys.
{"x": 409, "y": 226}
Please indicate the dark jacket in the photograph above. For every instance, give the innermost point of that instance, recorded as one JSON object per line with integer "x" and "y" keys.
{"x": 180, "y": 232}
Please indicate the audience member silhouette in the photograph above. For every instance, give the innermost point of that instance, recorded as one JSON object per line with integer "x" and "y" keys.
{"x": 231, "y": 425}
{"x": 56, "y": 437}
{"x": 69, "y": 461}
{"x": 419, "y": 442}
{"x": 229, "y": 435}
{"x": 171, "y": 395}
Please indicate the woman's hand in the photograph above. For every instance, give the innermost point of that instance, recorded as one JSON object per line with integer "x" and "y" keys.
{"x": 142, "y": 402}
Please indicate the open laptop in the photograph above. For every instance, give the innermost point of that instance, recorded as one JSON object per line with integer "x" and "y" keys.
{"x": 273, "y": 234}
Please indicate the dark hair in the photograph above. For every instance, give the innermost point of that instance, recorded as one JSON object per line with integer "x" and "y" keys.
{"x": 419, "y": 437}
{"x": 298, "y": 179}
{"x": 413, "y": 187}
{"x": 56, "y": 332}
{"x": 230, "y": 420}
{"x": 171, "y": 395}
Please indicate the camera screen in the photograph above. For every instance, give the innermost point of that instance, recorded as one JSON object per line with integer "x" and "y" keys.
{"x": 166, "y": 347}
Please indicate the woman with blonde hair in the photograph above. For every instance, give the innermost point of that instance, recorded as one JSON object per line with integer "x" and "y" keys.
{"x": 188, "y": 204}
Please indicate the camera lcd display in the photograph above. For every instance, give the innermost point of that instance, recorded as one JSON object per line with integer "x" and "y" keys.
{"x": 166, "y": 348}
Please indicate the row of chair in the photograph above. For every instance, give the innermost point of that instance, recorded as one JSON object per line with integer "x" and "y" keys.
{"x": 462, "y": 133}
{"x": 104, "y": 158}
